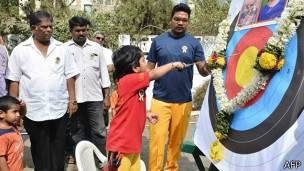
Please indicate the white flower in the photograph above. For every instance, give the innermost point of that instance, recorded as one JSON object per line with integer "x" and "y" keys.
{"x": 286, "y": 28}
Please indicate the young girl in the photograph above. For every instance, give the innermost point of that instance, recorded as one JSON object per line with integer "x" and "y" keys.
{"x": 125, "y": 135}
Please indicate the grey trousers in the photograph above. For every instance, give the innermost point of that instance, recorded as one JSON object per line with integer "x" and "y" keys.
{"x": 88, "y": 124}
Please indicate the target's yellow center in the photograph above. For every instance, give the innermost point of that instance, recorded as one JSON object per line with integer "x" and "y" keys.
{"x": 244, "y": 70}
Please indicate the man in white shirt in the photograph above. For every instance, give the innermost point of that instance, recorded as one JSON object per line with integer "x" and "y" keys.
{"x": 44, "y": 78}
{"x": 93, "y": 81}
{"x": 99, "y": 38}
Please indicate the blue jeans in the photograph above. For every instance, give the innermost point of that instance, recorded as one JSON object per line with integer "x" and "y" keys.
{"x": 88, "y": 124}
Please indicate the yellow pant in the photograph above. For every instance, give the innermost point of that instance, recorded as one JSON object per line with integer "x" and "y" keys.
{"x": 172, "y": 123}
{"x": 130, "y": 162}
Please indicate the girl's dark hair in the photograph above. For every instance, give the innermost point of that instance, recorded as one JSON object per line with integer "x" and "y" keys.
{"x": 78, "y": 21}
{"x": 35, "y": 18}
{"x": 6, "y": 103}
{"x": 181, "y": 7}
{"x": 124, "y": 59}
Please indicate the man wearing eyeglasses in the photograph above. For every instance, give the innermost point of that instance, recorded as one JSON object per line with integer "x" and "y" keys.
{"x": 99, "y": 38}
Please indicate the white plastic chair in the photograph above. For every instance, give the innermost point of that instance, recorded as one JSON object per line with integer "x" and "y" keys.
{"x": 84, "y": 154}
{"x": 142, "y": 166}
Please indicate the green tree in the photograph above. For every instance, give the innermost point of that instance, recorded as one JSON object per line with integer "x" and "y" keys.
{"x": 11, "y": 22}
{"x": 207, "y": 15}
{"x": 131, "y": 16}
{"x": 104, "y": 22}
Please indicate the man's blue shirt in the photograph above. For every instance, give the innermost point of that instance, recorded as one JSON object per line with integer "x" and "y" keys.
{"x": 175, "y": 86}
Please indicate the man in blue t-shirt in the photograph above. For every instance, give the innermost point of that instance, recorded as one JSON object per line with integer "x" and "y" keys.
{"x": 172, "y": 93}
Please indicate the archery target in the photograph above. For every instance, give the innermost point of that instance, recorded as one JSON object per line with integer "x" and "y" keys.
{"x": 268, "y": 130}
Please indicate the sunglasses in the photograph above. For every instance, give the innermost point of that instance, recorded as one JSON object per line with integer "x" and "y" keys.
{"x": 99, "y": 38}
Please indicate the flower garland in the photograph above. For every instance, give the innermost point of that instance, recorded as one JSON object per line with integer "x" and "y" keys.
{"x": 269, "y": 60}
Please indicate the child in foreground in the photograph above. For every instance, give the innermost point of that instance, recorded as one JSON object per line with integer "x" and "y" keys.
{"x": 124, "y": 140}
{"x": 11, "y": 144}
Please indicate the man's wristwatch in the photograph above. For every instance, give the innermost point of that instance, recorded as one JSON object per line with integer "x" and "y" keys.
{"x": 74, "y": 102}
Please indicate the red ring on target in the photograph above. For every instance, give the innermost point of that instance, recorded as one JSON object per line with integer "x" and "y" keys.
{"x": 256, "y": 37}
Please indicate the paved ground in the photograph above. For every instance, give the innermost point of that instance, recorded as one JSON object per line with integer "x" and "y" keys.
{"x": 186, "y": 162}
